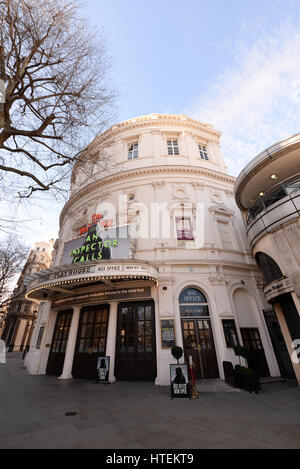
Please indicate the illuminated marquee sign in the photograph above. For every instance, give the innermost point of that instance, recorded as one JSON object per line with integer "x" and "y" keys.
{"x": 111, "y": 243}
{"x": 96, "y": 218}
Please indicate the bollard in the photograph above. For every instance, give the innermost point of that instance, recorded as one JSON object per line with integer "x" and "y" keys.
{"x": 192, "y": 370}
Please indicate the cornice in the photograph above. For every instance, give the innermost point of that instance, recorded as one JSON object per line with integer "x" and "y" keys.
{"x": 147, "y": 170}
{"x": 152, "y": 120}
{"x": 158, "y": 120}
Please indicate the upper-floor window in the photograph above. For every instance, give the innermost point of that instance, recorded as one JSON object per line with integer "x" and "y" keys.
{"x": 203, "y": 152}
{"x": 133, "y": 151}
{"x": 173, "y": 147}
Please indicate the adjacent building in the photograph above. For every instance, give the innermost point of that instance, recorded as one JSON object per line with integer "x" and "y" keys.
{"x": 20, "y": 312}
{"x": 268, "y": 193}
{"x": 152, "y": 252}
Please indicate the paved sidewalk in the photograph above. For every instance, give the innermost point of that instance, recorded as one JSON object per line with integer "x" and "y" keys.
{"x": 141, "y": 415}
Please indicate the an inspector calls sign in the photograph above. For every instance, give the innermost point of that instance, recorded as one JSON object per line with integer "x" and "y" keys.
{"x": 95, "y": 270}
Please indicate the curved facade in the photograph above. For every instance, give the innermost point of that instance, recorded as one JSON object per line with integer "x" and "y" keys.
{"x": 151, "y": 252}
{"x": 268, "y": 194}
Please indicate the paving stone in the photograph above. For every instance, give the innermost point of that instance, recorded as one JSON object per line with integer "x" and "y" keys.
{"x": 142, "y": 415}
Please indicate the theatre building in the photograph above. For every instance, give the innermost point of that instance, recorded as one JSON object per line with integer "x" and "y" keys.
{"x": 268, "y": 193}
{"x": 151, "y": 252}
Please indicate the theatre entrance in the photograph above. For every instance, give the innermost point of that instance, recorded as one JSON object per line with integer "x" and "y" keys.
{"x": 135, "y": 346}
{"x": 59, "y": 343}
{"x": 198, "y": 340}
{"x": 91, "y": 340}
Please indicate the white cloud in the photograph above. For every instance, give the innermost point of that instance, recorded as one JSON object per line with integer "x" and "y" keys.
{"x": 256, "y": 102}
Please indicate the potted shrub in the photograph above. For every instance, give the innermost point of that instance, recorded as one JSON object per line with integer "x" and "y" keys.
{"x": 241, "y": 352}
{"x": 177, "y": 352}
{"x": 247, "y": 379}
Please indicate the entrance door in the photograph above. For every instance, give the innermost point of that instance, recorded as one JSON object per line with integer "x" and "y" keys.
{"x": 198, "y": 341}
{"x": 135, "y": 347}
{"x": 257, "y": 359}
{"x": 91, "y": 340}
{"x": 59, "y": 343}
{"x": 279, "y": 346}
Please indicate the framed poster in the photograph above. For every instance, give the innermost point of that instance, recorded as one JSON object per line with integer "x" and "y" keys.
{"x": 103, "y": 369}
{"x": 179, "y": 380}
{"x": 230, "y": 333}
{"x": 167, "y": 328}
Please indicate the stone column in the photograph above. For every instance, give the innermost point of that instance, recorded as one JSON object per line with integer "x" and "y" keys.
{"x": 178, "y": 330}
{"x": 68, "y": 363}
{"x": 111, "y": 339}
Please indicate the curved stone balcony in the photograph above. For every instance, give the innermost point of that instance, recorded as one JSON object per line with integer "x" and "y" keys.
{"x": 275, "y": 207}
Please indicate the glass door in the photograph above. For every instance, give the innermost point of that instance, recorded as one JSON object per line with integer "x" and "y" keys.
{"x": 59, "y": 343}
{"x": 198, "y": 342}
{"x": 91, "y": 340}
{"x": 135, "y": 347}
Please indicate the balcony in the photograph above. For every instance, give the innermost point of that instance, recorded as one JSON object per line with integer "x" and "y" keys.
{"x": 275, "y": 207}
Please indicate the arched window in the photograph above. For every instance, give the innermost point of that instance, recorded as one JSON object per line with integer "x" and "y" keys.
{"x": 268, "y": 266}
{"x": 192, "y": 303}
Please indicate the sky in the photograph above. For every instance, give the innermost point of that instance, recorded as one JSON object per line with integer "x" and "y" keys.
{"x": 232, "y": 63}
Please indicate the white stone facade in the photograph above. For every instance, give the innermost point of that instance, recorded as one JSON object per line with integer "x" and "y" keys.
{"x": 220, "y": 266}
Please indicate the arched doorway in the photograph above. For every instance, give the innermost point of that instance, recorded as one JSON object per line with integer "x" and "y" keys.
{"x": 197, "y": 333}
{"x": 271, "y": 272}
{"x": 268, "y": 266}
{"x": 246, "y": 311}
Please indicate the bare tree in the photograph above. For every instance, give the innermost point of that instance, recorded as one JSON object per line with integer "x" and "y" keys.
{"x": 56, "y": 97}
{"x": 13, "y": 255}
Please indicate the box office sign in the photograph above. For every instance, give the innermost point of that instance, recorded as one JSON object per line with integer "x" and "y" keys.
{"x": 97, "y": 244}
{"x": 167, "y": 333}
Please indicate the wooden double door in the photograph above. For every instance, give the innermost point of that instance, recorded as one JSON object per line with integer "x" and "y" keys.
{"x": 91, "y": 340}
{"x": 59, "y": 343}
{"x": 135, "y": 346}
{"x": 199, "y": 343}
{"x": 256, "y": 355}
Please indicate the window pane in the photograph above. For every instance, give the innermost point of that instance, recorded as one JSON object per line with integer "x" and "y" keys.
{"x": 97, "y": 330}
{"x": 141, "y": 327}
{"x": 81, "y": 346}
{"x": 141, "y": 312}
{"x": 141, "y": 344}
{"x": 148, "y": 312}
{"x": 148, "y": 344}
{"x": 104, "y": 315}
{"x": 148, "y": 327}
{"x": 130, "y": 344}
{"x": 103, "y": 330}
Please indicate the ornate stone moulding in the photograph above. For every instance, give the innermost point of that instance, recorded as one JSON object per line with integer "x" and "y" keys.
{"x": 145, "y": 171}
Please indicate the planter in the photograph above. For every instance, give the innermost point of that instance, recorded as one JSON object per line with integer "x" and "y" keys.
{"x": 247, "y": 381}
{"x": 238, "y": 379}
